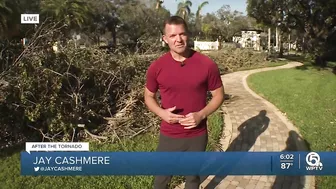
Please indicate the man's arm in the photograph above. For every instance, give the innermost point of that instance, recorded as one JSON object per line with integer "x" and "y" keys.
{"x": 215, "y": 103}
{"x": 151, "y": 103}
{"x": 216, "y": 87}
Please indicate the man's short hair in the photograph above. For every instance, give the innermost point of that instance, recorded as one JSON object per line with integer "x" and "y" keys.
{"x": 175, "y": 20}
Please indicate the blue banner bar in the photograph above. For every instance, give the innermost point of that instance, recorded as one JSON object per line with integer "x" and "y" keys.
{"x": 178, "y": 163}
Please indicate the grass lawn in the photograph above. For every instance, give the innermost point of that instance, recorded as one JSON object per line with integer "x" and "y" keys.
{"x": 307, "y": 95}
{"x": 10, "y": 165}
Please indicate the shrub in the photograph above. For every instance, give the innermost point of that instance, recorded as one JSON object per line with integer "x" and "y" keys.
{"x": 232, "y": 59}
{"x": 54, "y": 92}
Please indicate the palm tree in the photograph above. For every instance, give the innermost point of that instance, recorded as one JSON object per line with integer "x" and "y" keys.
{"x": 198, "y": 14}
{"x": 74, "y": 13}
{"x": 183, "y": 9}
{"x": 200, "y": 7}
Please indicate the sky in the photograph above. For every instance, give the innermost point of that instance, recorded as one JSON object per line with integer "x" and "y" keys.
{"x": 213, "y": 6}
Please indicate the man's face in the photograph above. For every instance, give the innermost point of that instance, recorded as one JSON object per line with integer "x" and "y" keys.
{"x": 176, "y": 37}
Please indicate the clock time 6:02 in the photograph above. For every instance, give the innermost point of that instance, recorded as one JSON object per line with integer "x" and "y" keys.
{"x": 287, "y": 156}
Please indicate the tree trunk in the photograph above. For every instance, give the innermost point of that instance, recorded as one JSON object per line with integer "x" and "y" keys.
{"x": 277, "y": 38}
{"x": 158, "y": 4}
{"x": 280, "y": 46}
{"x": 304, "y": 45}
{"x": 320, "y": 61}
{"x": 269, "y": 40}
{"x": 289, "y": 42}
{"x": 98, "y": 38}
{"x": 114, "y": 37}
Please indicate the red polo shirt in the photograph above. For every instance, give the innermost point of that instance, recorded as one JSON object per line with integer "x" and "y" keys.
{"x": 185, "y": 87}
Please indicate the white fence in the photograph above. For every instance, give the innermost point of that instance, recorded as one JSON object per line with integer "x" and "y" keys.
{"x": 206, "y": 45}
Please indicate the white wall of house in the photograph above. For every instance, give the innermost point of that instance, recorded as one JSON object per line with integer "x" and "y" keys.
{"x": 206, "y": 45}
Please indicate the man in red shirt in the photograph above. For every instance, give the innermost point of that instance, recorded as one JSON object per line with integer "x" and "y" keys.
{"x": 183, "y": 77}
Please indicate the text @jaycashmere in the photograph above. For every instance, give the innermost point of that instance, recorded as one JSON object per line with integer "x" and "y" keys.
{"x": 72, "y": 160}
{"x": 57, "y": 168}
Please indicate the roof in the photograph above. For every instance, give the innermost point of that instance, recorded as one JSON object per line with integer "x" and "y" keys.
{"x": 251, "y": 29}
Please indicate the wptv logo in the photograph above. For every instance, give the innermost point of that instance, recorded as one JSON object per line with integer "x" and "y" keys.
{"x": 314, "y": 162}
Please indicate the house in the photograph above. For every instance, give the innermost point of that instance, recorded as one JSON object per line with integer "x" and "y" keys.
{"x": 249, "y": 38}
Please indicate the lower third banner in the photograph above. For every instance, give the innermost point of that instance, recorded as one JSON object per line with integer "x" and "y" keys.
{"x": 178, "y": 163}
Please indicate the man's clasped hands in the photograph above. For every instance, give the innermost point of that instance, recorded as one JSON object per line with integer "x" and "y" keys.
{"x": 190, "y": 120}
